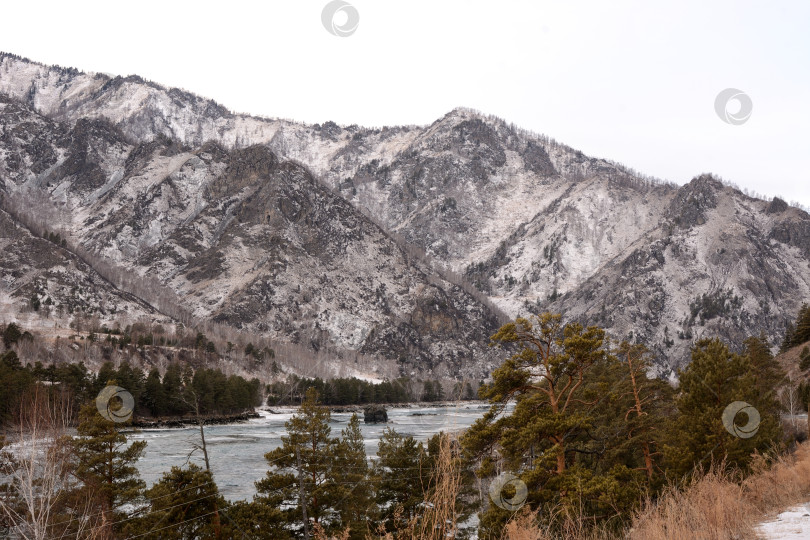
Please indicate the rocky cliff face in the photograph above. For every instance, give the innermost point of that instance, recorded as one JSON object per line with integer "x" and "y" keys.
{"x": 711, "y": 267}
{"x": 213, "y": 202}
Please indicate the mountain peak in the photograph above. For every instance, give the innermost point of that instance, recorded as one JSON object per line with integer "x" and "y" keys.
{"x": 706, "y": 180}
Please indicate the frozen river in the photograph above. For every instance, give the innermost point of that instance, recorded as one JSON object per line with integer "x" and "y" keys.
{"x": 236, "y": 451}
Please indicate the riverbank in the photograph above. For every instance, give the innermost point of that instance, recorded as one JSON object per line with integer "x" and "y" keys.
{"x": 283, "y": 409}
{"x": 261, "y": 412}
{"x": 183, "y": 421}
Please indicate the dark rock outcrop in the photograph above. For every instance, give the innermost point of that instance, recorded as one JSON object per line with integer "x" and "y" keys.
{"x": 375, "y": 414}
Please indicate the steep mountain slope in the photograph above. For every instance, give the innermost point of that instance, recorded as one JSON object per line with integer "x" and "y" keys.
{"x": 533, "y": 223}
{"x": 719, "y": 263}
{"x": 458, "y": 188}
{"x": 245, "y": 239}
{"x": 40, "y": 279}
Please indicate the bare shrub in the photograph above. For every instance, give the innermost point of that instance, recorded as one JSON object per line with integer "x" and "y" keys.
{"x": 40, "y": 503}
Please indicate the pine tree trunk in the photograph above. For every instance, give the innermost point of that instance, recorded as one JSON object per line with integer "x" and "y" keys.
{"x": 560, "y": 458}
{"x": 645, "y": 446}
{"x": 648, "y": 464}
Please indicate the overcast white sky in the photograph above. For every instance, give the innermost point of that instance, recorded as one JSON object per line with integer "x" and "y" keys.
{"x": 630, "y": 81}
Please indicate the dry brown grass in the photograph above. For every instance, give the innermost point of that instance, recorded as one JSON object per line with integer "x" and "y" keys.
{"x": 786, "y": 483}
{"x": 711, "y": 506}
{"x": 714, "y": 505}
{"x": 525, "y": 526}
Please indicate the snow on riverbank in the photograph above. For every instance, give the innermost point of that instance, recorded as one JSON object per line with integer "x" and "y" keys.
{"x": 792, "y": 524}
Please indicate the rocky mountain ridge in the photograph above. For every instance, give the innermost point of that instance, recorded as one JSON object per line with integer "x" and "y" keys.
{"x": 243, "y": 238}
{"x": 533, "y": 223}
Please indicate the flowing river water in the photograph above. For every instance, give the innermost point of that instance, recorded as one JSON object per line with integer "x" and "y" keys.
{"x": 236, "y": 451}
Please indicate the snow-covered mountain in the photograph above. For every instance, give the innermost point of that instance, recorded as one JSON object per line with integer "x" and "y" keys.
{"x": 178, "y": 187}
{"x": 242, "y": 238}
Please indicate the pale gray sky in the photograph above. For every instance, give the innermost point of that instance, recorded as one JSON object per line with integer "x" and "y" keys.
{"x": 630, "y": 81}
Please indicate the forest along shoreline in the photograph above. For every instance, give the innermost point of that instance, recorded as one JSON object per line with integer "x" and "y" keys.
{"x": 181, "y": 422}
{"x": 240, "y": 418}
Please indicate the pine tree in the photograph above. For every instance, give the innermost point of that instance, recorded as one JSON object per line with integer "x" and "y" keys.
{"x": 302, "y": 470}
{"x": 787, "y": 342}
{"x": 105, "y": 463}
{"x": 257, "y": 520}
{"x": 802, "y": 334}
{"x": 567, "y": 436}
{"x": 182, "y": 506}
{"x": 173, "y": 390}
{"x": 15, "y": 380}
{"x": 713, "y": 380}
{"x": 130, "y": 378}
{"x": 767, "y": 373}
{"x": 469, "y": 393}
{"x": 154, "y": 395}
{"x": 646, "y": 403}
{"x": 428, "y": 391}
{"x": 400, "y": 476}
{"x": 11, "y": 334}
{"x": 352, "y": 475}
{"x": 562, "y": 356}
{"x": 106, "y": 375}
{"x": 438, "y": 391}
{"x": 804, "y": 358}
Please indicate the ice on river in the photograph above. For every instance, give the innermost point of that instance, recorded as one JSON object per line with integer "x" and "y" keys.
{"x": 236, "y": 451}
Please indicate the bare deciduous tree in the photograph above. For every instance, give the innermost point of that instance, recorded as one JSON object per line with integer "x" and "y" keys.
{"x": 40, "y": 504}
{"x": 791, "y": 401}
